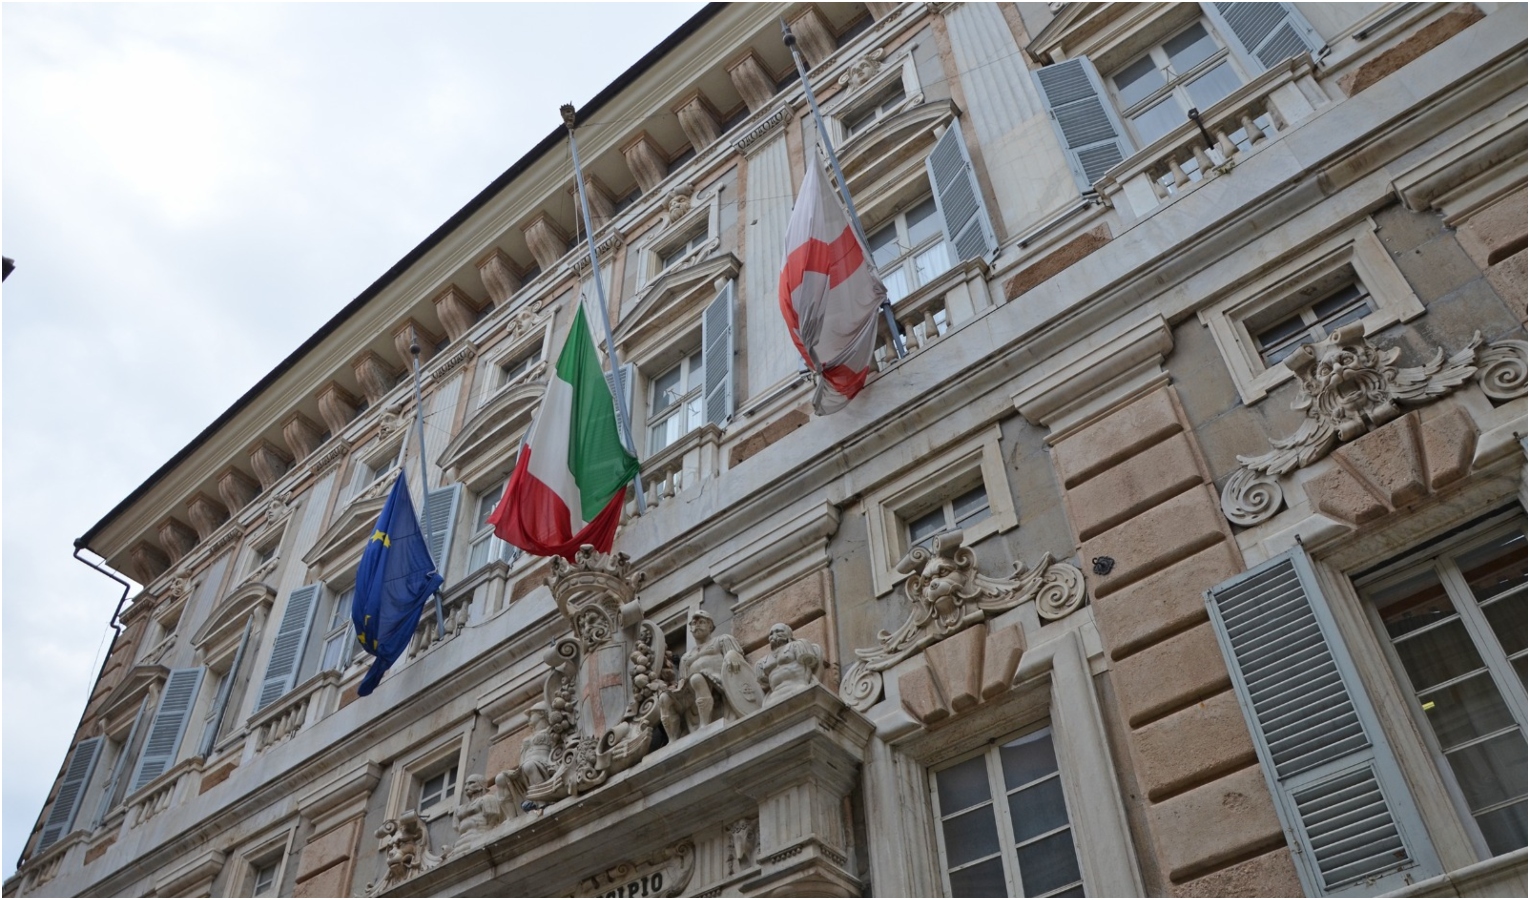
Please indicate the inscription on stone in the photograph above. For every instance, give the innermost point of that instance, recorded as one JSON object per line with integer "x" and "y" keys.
{"x": 664, "y": 874}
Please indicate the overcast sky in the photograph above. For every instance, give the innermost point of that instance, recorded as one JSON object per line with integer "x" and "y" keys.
{"x": 189, "y": 192}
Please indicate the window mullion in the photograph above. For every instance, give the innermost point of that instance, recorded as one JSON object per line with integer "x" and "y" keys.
{"x": 1488, "y": 648}
{"x": 1012, "y": 883}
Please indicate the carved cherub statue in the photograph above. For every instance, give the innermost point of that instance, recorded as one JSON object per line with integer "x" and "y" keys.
{"x": 708, "y": 677}
{"x": 791, "y": 665}
{"x": 483, "y": 808}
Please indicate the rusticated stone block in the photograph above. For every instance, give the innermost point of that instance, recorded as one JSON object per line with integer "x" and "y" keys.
{"x": 1118, "y": 436}
{"x": 98, "y": 851}
{"x": 1224, "y": 820}
{"x": 1001, "y": 656}
{"x": 1192, "y": 746}
{"x": 795, "y": 604}
{"x": 1162, "y": 603}
{"x": 775, "y": 431}
{"x": 1388, "y": 460}
{"x": 1156, "y": 539}
{"x": 921, "y": 697}
{"x": 217, "y": 776}
{"x": 332, "y": 882}
{"x": 1270, "y": 874}
{"x": 1056, "y": 261}
{"x": 505, "y": 753}
{"x": 1449, "y": 441}
{"x": 1416, "y": 45}
{"x": 1183, "y": 669}
{"x": 1337, "y": 494}
{"x": 957, "y": 664}
{"x": 1134, "y": 485}
{"x": 329, "y": 849}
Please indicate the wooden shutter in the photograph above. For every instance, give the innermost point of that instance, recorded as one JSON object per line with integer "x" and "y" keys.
{"x": 1092, "y": 136}
{"x": 169, "y": 725}
{"x": 1268, "y": 32}
{"x": 958, "y": 197}
{"x": 220, "y": 705}
{"x": 1337, "y": 788}
{"x": 441, "y": 521}
{"x": 287, "y": 648}
{"x": 71, "y": 793}
{"x": 717, "y": 355}
{"x": 119, "y": 766}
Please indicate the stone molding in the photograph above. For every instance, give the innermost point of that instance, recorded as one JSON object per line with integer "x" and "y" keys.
{"x": 339, "y": 793}
{"x": 329, "y": 458}
{"x": 755, "y": 137}
{"x": 662, "y": 874}
{"x": 780, "y": 556}
{"x": 450, "y": 364}
{"x": 1060, "y": 398}
{"x": 191, "y": 877}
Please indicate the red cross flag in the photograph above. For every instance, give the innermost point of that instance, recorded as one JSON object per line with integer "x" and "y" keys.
{"x": 829, "y": 294}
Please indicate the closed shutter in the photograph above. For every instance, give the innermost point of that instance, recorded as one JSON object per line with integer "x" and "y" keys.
{"x": 1337, "y": 787}
{"x": 1268, "y": 32}
{"x": 169, "y": 725}
{"x": 717, "y": 355}
{"x": 629, "y": 377}
{"x": 440, "y": 522}
{"x": 1091, "y": 134}
{"x": 220, "y": 705}
{"x": 957, "y": 196}
{"x": 287, "y": 648}
{"x": 71, "y": 793}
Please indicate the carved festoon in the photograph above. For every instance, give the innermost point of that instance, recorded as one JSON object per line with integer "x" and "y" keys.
{"x": 791, "y": 665}
{"x": 405, "y": 846}
{"x": 1347, "y": 386}
{"x": 948, "y": 594}
{"x": 714, "y": 682}
{"x": 498, "y": 276}
{"x": 483, "y": 808}
{"x": 206, "y": 514}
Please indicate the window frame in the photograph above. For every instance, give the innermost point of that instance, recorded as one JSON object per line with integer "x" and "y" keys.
{"x": 446, "y": 751}
{"x": 694, "y": 381}
{"x": 1175, "y": 87}
{"x": 855, "y": 100}
{"x": 906, "y": 261}
{"x": 499, "y": 550}
{"x": 339, "y": 602}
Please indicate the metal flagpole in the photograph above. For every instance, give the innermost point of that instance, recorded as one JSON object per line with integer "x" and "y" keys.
{"x": 419, "y": 421}
{"x": 567, "y": 110}
{"x": 839, "y": 177}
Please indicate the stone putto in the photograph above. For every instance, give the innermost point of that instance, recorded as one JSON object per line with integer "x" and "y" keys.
{"x": 791, "y": 665}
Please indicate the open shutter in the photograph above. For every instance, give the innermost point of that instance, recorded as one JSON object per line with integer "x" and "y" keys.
{"x": 71, "y": 793}
{"x": 957, "y": 196}
{"x": 287, "y": 649}
{"x": 1091, "y": 134}
{"x": 1337, "y": 788}
{"x": 441, "y": 520}
{"x": 220, "y": 705}
{"x": 169, "y": 725}
{"x": 717, "y": 355}
{"x": 629, "y": 377}
{"x": 1268, "y": 32}
{"x": 119, "y": 767}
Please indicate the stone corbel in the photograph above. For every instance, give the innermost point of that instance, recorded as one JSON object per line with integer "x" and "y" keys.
{"x": 177, "y": 538}
{"x": 340, "y": 796}
{"x": 647, "y": 160}
{"x": 148, "y": 562}
{"x": 337, "y": 406}
{"x": 547, "y": 240}
{"x": 499, "y": 277}
{"x": 269, "y": 461}
{"x": 1098, "y": 380}
{"x": 408, "y": 332}
{"x": 456, "y": 310}
{"x": 375, "y": 375}
{"x": 698, "y": 119}
{"x": 960, "y": 672}
{"x": 780, "y": 556}
{"x": 880, "y": 11}
{"x": 303, "y": 437}
{"x": 602, "y": 207}
{"x": 206, "y": 514}
{"x": 237, "y": 489}
{"x": 1469, "y": 174}
{"x": 813, "y": 35}
{"x": 752, "y": 80}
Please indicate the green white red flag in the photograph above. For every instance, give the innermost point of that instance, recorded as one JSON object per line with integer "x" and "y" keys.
{"x": 571, "y": 477}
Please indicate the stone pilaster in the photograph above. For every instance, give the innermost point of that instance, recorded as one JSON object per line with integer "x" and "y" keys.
{"x": 498, "y": 276}
{"x": 409, "y": 331}
{"x": 302, "y": 435}
{"x": 456, "y": 310}
{"x": 237, "y": 489}
{"x": 698, "y": 120}
{"x": 148, "y": 562}
{"x": 177, "y": 537}
{"x": 752, "y": 81}
{"x": 813, "y": 35}
{"x": 647, "y": 161}
{"x": 547, "y": 240}
{"x": 375, "y": 375}
{"x": 269, "y": 462}
{"x": 206, "y": 514}
{"x": 337, "y": 406}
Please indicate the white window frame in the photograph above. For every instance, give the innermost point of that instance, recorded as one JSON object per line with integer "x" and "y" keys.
{"x": 889, "y": 506}
{"x": 1355, "y": 251}
{"x": 274, "y": 850}
{"x": 444, "y": 752}
{"x": 909, "y": 253}
{"x": 536, "y": 339}
{"x": 369, "y": 466}
{"x": 498, "y": 551}
{"x": 847, "y": 104}
{"x": 338, "y": 603}
{"x": 693, "y": 381}
{"x": 1175, "y": 86}
{"x": 703, "y": 215}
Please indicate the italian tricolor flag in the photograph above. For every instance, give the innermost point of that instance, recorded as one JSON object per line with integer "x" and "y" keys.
{"x": 570, "y": 480}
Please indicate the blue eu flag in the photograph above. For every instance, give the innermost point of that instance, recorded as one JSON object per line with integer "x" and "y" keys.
{"x": 394, "y": 580}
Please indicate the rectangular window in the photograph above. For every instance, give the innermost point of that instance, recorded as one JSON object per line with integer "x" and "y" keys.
{"x": 967, "y": 508}
{"x": 1004, "y": 825}
{"x": 1190, "y": 70}
{"x": 672, "y": 255}
{"x": 675, "y": 403}
{"x": 340, "y": 645}
{"x": 911, "y": 250}
{"x": 264, "y": 881}
{"x": 874, "y": 110}
{"x": 1313, "y": 322}
{"x": 1455, "y": 624}
{"x": 437, "y": 788}
{"x": 517, "y": 366}
{"x": 487, "y": 548}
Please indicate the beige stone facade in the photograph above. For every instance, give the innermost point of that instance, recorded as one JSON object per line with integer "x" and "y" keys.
{"x": 1182, "y": 555}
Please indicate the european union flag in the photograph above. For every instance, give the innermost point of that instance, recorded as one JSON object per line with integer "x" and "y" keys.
{"x": 395, "y": 578}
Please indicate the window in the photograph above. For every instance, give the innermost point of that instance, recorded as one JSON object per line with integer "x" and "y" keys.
{"x": 485, "y": 547}
{"x": 672, "y": 255}
{"x": 517, "y": 366}
{"x": 1004, "y": 827}
{"x": 263, "y": 882}
{"x": 1312, "y": 323}
{"x": 1190, "y": 70}
{"x": 437, "y": 788}
{"x": 1455, "y": 624}
{"x": 340, "y": 645}
{"x": 675, "y": 403}
{"x": 879, "y": 107}
{"x": 911, "y": 250}
{"x": 968, "y": 508}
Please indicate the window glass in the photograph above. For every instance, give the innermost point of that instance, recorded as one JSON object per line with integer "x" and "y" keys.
{"x": 1137, "y": 80}
{"x": 1189, "y": 48}
{"x": 340, "y": 644}
{"x": 264, "y": 881}
{"x": 485, "y": 547}
{"x": 911, "y": 250}
{"x": 1218, "y": 82}
{"x": 675, "y": 403}
{"x": 1190, "y": 70}
{"x": 965, "y": 509}
{"x": 1314, "y": 322}
{"x": 437, "y": 788}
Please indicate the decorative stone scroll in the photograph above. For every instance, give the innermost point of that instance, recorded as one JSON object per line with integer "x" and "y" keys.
{"x": 406, "y": 852}
{"x": 948, "y": 595}
{"x": 1349, "y": 386}
{"x": 664, "y": 874}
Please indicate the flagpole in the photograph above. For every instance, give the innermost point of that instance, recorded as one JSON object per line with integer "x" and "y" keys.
{"x": 419, "y": 421}
{"x": 567, "y": 111}
{"x": 839, "y": 178}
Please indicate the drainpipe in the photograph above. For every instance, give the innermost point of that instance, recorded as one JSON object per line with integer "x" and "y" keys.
{"x": 121, "y": 602}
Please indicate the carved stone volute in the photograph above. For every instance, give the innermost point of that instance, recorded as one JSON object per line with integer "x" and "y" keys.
{"x": 498, "y": 276}
{"x": 177, "y": 537}
{"x": 375, "y": 375}
{"x": 602, "y": 207}
{"x": 752, "y": 81}
{"x": 270, "y": 463}
{"x": 206, "y": 514}
{"x": 237, "y": 489}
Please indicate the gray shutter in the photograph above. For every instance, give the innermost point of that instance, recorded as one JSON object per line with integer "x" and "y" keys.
{"x": 717, "y": 355}
{"x": 71, "y": 793}
{"x": 1092, "y": 136}
{"x": 1268, "y": 32}
{"x": 220, "y": 706}
{"x": 958, "y": 197}
{"x": 629, "y": 378}
{"x": 109, "y": 796}
{"x": 169, "y": 725}
{"x": 441, "y": 521}
{"x": 287, "y": 648}
{"x": 1337, "y": 788}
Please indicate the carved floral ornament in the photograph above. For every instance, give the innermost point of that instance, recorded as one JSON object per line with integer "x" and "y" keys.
{"x": 1348, "y": 387}
{"x": 948, "y": 594}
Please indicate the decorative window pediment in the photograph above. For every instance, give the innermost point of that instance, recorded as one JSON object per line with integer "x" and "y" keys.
{"x": 227, "y": 622}
{"x": 893, "y": 148}
{"x": 124, "y": 699}
{"x": 493, "y": 433}
{"x": 672, "y": 305}
{"x": 347, "y": 533}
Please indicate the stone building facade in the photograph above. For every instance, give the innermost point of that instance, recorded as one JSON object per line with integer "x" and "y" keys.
{"x": 1183, "y": 554}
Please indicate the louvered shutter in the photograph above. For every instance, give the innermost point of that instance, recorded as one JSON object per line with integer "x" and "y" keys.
{"x": 287, "y": 648}
{"x": 1092, "y": 136}
{"x": 109, "y": 796}
{"x": 958, "y": 197}
{"x": 1337, "y": 787}
{"x": 629, "y": 377}
{"x": 169, "y": 725}
{"x": 220, "y": 705}
{"x": 1268, "y": 32}
{"x": 71, "y": 793}
{"x": 717, "y": 355}
{"x": 440, "y": 522}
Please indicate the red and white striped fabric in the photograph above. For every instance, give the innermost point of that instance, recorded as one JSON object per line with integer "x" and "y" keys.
{"x": 829, "y": 295}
